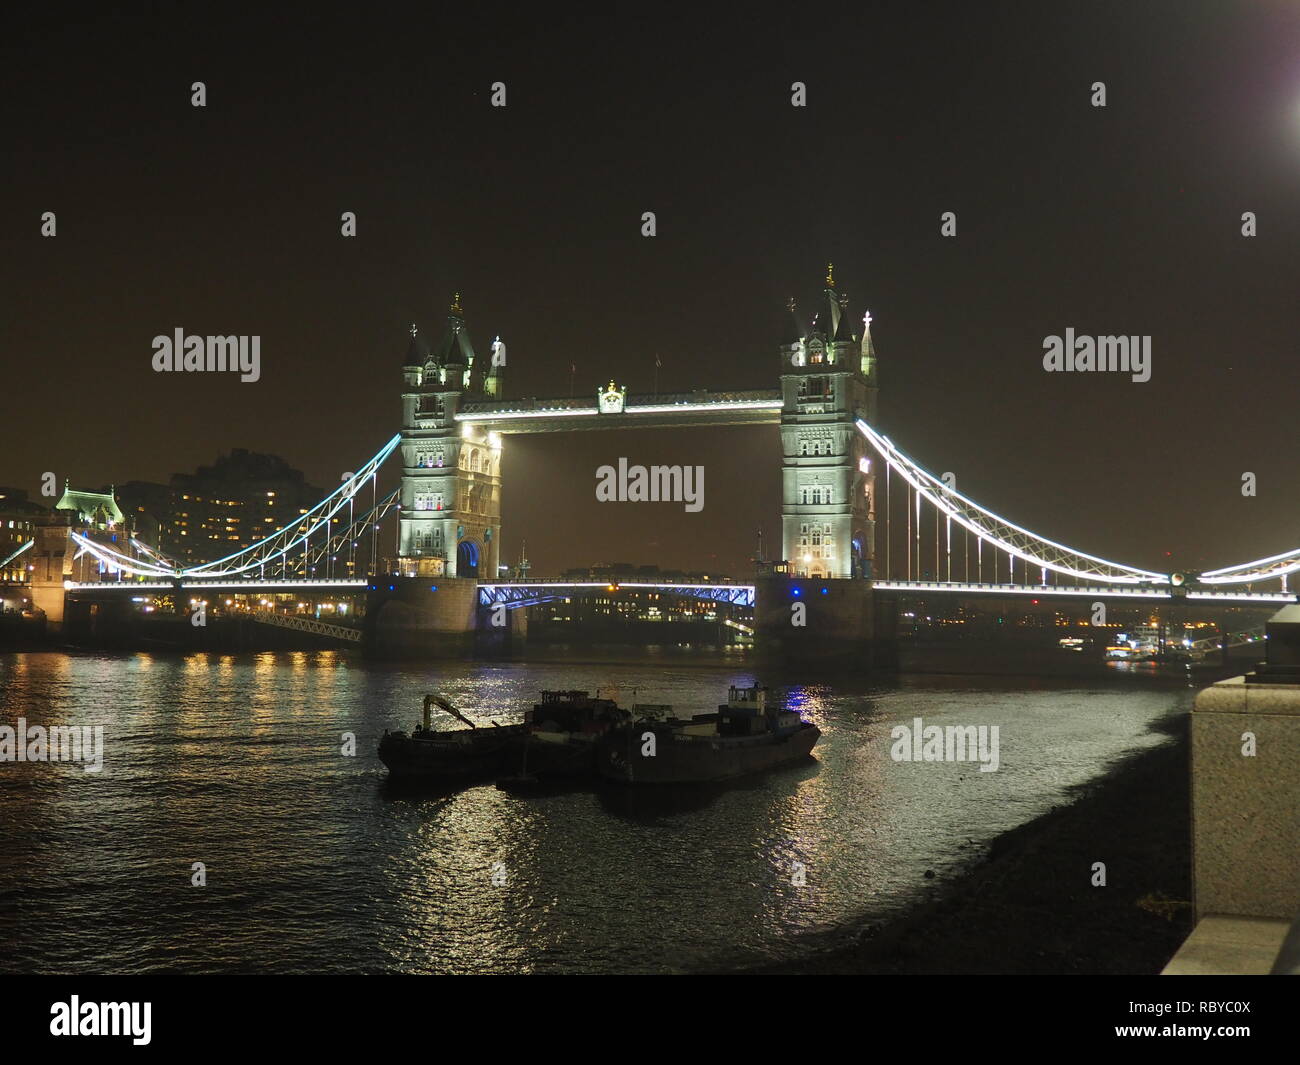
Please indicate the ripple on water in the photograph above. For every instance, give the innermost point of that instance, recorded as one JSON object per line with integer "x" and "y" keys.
{"x": 314, "y": 864}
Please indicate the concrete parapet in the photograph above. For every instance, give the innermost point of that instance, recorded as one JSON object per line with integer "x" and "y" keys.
{"x": 1246, "y": 799}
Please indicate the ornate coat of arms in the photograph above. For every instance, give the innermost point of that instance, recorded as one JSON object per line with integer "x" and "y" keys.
{"x": 611, "y": 398}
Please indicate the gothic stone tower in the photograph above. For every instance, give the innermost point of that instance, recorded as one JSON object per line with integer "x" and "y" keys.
{"x": 451, "y": 473}
{"x": 828, "y": 378}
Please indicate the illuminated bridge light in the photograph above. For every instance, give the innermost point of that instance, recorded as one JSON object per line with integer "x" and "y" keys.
{"x": 529, "y": 593}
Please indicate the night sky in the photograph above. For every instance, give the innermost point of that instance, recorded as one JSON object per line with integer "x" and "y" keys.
{"x": 1117, "y": 220}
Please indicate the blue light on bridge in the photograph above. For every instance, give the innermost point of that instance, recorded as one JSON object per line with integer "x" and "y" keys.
{"x": 530, "y": 593}
{"x": 825, "y": 592}
{"x": 433, "y": 587}
{"x": 797, "y": 592}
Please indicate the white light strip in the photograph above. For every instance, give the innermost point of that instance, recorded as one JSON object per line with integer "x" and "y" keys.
{"x": 504, "y": 415}
{"x": 345, "y": 492}
{"x": 135, "y": 586}
{"x": 1246, "y": 597}
{"x": 530, "y": 585}
{"x": 160, "y": 559}
{"x": 1257, "y": 562}
{"x": 123, "y": 562}
{"x": 738, "y": 404}
{"x": 907, "y": 468}
{"x": 1223, "y": 576}
{"x": 238, "y": 585}
{"x": 125, "y": 586}
{"x": 17, "y": 553}
{"x": 660, "y": 408}
{"x": 1109, "y": 593}
{"x": 1016, "y": 589}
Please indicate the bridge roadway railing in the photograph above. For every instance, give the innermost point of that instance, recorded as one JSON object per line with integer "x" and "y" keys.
{"x": 702, "y": 397}
{"x": 1080, "y": 591}
{"x": 528, "y": 593}
{"x": 253, "y": 584}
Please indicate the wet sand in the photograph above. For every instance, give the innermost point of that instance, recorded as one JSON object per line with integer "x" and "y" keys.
{"x": 1030, "y": 906}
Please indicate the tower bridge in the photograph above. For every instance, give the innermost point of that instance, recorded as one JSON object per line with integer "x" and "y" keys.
{"x": 861, "y": 522}
{"x": 454, "y": 416}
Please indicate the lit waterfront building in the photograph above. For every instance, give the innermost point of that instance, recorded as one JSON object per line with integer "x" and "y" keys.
{"x": 239, "y": 499}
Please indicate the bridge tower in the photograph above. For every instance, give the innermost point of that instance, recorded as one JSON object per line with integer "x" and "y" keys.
{"x": 828, "y": 379}
{"x": 451, "y": 473}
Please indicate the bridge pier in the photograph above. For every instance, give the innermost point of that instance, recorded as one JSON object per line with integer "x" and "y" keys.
{"x": 51, "y": 566}
{"x": 825, "y": 623}
{"x": 420, "y": 618}
{"x": 500, "y": 632}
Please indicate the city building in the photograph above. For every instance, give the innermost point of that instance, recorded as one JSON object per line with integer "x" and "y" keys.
{"x": 239, "y": 499}
{"x": 624, "y": 613}
{"x": 147, "y": 506}
{"x": 19, "y": 518}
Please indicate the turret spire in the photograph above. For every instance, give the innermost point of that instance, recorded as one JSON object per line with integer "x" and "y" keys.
{"x": 415, "y": 353}
{"x": 868, "y": 348}
{"x": 836, "y": 302}
{"x": 794, "y": 331}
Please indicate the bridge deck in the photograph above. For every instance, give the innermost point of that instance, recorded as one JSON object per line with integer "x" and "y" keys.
{"x": 1046, "y": 591}
{"x": 534, "y": 415}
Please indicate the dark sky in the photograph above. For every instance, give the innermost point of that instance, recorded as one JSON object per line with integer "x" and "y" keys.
{"x": 1122, "y": 220}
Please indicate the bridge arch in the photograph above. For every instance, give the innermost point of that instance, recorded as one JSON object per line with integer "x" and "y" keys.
{"x": 468, "y": 554}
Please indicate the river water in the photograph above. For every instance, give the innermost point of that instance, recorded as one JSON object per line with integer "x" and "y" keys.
{"x": 314, "y": 864}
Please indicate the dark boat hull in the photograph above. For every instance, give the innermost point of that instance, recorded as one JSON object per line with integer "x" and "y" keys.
{"x": 575, "y": 756}
{"x": 442, "y": 758}
{"x": 680, "y": 759}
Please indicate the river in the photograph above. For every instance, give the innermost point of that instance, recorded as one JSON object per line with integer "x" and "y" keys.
{"x": 314, "y": 864}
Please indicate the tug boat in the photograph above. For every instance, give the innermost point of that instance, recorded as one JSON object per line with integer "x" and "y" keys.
{"x": 447, "y": 754}
{"x": 746, "y": 735}
{"x": 560, "y": 734}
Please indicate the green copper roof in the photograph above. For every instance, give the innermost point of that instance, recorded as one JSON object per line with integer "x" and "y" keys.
{"x": 90, "y": 506}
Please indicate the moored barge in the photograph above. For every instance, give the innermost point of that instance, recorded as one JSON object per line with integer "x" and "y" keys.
{"x": 745, "y": 736}
{"x": 561, "y": 732}
{"x": 447, "y": 754}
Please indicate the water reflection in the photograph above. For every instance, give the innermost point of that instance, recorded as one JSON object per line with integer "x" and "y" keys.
{"x": 316, "y": 863}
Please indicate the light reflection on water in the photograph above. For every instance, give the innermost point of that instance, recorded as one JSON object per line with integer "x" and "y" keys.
{"x": 315, "y": 864}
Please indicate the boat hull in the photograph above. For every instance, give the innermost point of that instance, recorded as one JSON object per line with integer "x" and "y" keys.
{"x": 480, "y": 754}
{"x": 684, "y": 759}
{"x": 561, "y": 756}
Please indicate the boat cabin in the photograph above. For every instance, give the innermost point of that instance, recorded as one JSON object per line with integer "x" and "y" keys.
{"x": 574, "y": 711}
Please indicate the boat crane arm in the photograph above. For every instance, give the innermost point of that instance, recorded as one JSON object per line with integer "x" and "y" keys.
{"x": 446, "y": 705}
